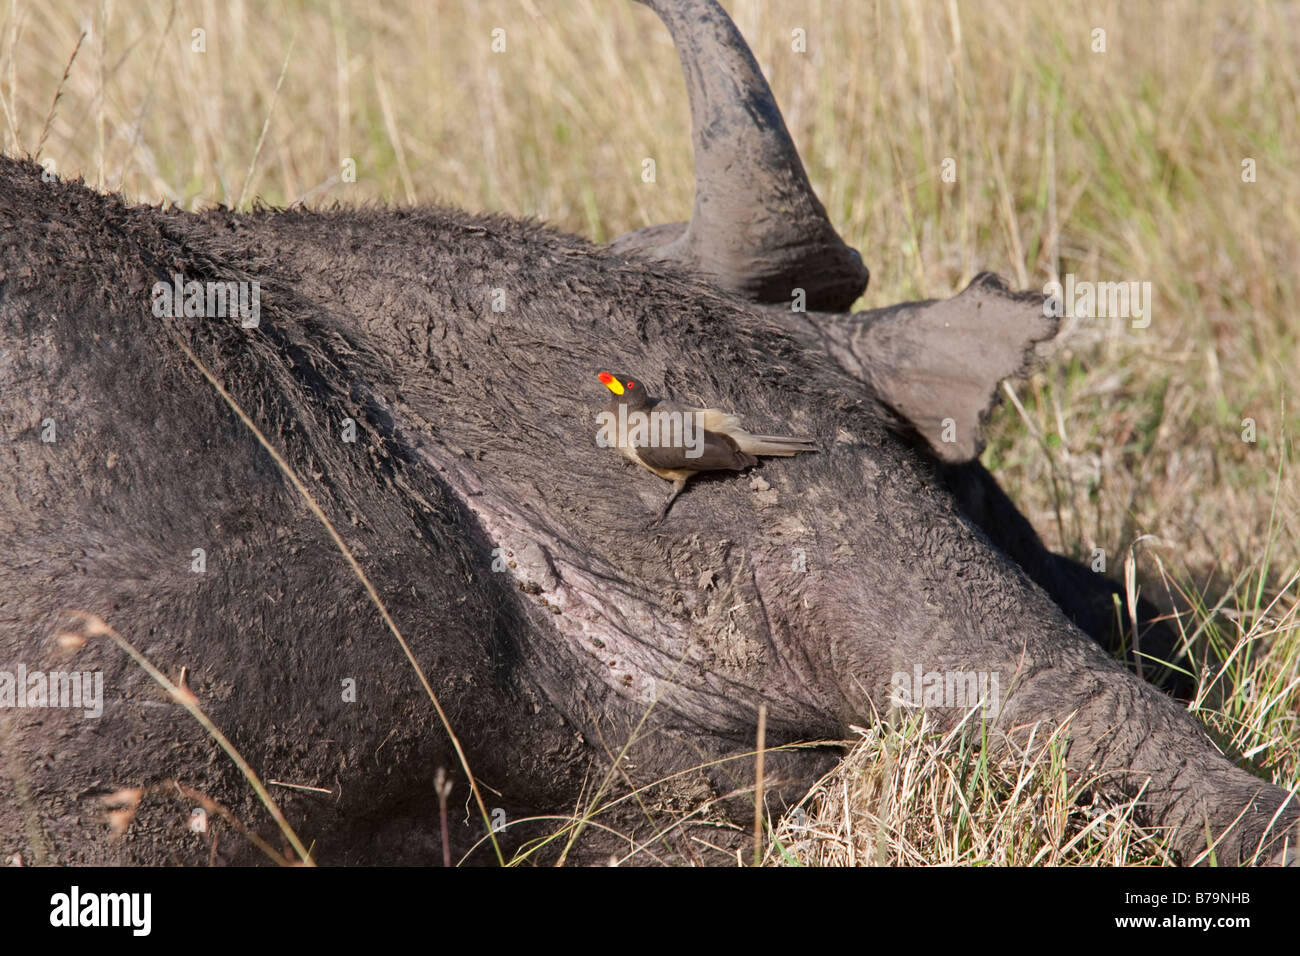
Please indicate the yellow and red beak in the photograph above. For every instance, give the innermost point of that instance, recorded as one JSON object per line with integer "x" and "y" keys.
{"x": 611, "y": 383}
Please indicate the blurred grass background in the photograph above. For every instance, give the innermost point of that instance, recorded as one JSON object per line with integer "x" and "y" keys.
{"x": 1117, "y": 165}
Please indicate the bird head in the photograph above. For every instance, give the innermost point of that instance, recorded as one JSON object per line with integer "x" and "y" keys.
{"x": 629, "y": 390}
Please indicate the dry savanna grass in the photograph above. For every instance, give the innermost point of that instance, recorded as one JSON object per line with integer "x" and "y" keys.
{"x": 1167, "y": 158}
{"x": 908, "y": 795}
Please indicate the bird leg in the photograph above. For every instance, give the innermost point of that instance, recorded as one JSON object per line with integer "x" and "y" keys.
{"x": 678, "y": 486}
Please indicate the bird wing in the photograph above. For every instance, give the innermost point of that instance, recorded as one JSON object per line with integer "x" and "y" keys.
{"x": 780, "y": 445}
{"x": 717, "y": 421}
{"x": 717, "y": 452}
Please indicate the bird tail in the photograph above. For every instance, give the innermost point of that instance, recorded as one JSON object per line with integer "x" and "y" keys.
{"x": 781, "y": 445}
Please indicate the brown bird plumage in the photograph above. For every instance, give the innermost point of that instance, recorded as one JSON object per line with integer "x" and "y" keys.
{"x": 678, "y": 441}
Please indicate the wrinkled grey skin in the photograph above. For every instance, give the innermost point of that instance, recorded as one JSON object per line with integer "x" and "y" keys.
{"x": 474, "y": 442}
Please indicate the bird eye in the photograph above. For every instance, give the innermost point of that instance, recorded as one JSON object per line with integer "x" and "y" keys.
{"x": 631, "y": 384}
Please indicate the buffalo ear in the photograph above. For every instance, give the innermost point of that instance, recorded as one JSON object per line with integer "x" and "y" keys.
{"x": 938, "y": 364}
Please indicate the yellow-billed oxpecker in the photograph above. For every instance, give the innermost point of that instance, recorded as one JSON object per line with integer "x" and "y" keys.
{"x": 678, "y": 441}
